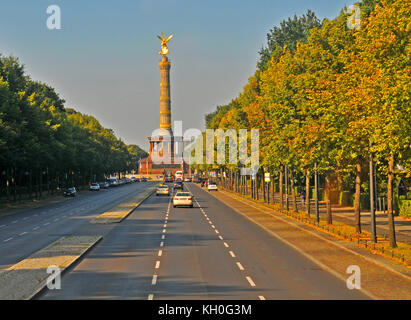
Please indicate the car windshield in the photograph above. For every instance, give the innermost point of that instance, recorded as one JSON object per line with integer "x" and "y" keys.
{"x": 95, "y": 184}
{"x": 163, "y": 187}
{"x": 183, "y": 194}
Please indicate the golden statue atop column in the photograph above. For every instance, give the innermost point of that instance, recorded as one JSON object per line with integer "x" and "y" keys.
{"x": 166, "y": 150}
{"x": 165, "y": 100}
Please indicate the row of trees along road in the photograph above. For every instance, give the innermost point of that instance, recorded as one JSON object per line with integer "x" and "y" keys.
{"x": 45, "y": 146}
{"x": 329, "y": 97}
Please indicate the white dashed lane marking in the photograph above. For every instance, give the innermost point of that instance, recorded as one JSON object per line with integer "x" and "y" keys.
{"x": 232, "y": 254}
{"x": 150, "y": 297}
{"x": 157, "y": 264}
{"x": 23, "y": 233}
{"x": 7, "y": 239}
{"x": 250, "y": 281}
{"x": 240, "y": 266}
{"x": 261, "y": 297}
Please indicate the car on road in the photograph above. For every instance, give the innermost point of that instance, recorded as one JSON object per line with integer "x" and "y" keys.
{"x": 94, "y": 187}
{"x": 143, "y": 179}
{"x": 168, "y": 179}
{"x": 162, "y": 190}
{"x": 133, "y": 179}
{"x": 183, "y": 199}
{"x": 70, "y": 192}
{"x": 212, "y": 186}
{"x": 104, "y": 185}
{"x": 187, "y": 179}
{"x": 178, "y": 185}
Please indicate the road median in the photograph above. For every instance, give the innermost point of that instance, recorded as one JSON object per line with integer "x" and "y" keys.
{"x": 121, "y": 211}
{"x": 28, "y": 277}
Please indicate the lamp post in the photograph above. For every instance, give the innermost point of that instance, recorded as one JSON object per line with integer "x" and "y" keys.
{"x": 372, "y": 202}
{"x": 317, "y": 211}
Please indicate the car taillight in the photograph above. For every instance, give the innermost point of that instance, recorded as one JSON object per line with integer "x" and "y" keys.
{"x": 176, "y": 199}
{"x": 189, "y": 198}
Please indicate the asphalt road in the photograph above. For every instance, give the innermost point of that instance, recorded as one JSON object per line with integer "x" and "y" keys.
{"x": 25, "y": 232}
{"x": 205, "y": 252}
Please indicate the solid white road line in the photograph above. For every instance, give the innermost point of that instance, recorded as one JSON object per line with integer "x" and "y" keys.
{"x": 240, "y": 266}
{"x": 232, "y": 254}
{"x": 154, "y": 281}
{"x": 250, "y": 281}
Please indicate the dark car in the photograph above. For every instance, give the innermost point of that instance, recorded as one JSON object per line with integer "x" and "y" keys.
{"x": 70, "y": 192}
{"x": 178, "y": 185}
{"x": 143, "y": 179}
{"x": 104, "y": 185}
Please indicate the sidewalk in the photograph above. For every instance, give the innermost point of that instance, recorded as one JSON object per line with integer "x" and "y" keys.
{"x": 381, "y": 278}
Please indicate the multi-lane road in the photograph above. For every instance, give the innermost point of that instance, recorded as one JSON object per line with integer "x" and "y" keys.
{"x": 161, "y": 252}
{"x": 30, "y": 230}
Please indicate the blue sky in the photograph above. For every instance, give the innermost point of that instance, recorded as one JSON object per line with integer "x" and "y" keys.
{"x": 103, "y": 61}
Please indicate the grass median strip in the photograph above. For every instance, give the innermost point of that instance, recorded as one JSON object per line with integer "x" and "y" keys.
{"x": 26, "y": 278}
{"x": 120, "y": 212}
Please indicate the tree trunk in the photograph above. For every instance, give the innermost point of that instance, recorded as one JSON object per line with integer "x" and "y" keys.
{"x": 293, "y": 195}
{"x": 391, "y": 226}
{"x": 307, "y": 193}
{"x": 328, "y": 202}
{"x": 281, "y": 187}
{"x": 357, "y": 202}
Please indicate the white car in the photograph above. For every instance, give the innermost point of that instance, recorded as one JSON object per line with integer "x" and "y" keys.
{"x": 212, "y": 186}
{"x": 163, "y": 190}
{"x": 94, "y": 187}
{"x": 183, "y": 199}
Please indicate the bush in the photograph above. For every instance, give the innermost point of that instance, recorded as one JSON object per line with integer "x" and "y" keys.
{"x": 405, "y": 208}
{"x": 346, "y": 198}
